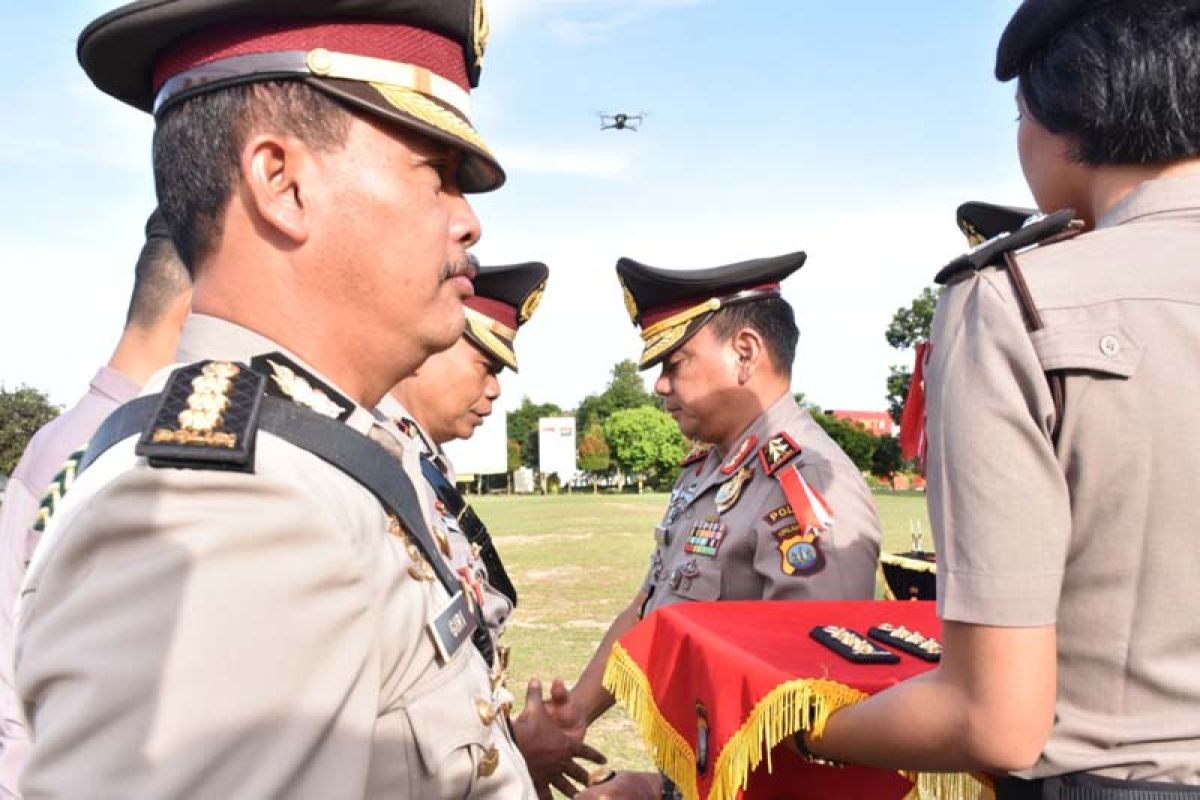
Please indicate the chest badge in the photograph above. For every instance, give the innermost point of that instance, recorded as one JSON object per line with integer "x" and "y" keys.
{"x": 731, "y": 490}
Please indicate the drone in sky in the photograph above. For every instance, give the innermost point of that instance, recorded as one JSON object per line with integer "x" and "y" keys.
{"x": 621, "y": 121}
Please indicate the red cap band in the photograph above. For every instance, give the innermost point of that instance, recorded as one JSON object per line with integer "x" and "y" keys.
{"x": 501, "y": 312}
{"x": 654, "y": 315}
{"x": 400, "y": 43}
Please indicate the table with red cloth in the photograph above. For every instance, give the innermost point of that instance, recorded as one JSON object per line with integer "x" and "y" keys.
{"x": 715, "y": 687}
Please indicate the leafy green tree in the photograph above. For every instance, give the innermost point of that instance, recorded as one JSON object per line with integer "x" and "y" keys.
{"x": 625, "y": 390}
{"x": 593, "y": 454}
{"x": 857, "y": 442}
{"x": 523, "y": 428}
{"x": 644, "y": 442}
{"x": 887, "y": 460}
{"x": 909, "y": 326}
{"x": 22, "y": 411}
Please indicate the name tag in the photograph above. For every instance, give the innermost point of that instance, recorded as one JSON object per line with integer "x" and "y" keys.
{"x": 453, "y": 626}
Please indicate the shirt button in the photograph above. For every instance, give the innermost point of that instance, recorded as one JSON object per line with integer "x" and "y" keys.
{"x": 1110, "y": 345}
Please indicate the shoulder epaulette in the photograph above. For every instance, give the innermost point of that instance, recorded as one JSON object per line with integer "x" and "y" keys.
{"x": 698, "y": 452}
{"x": 1036, "y": 230}
{"x": 778, "y": 450}
{"x": 289, "y": 380}
{"x": 207, "y": 418}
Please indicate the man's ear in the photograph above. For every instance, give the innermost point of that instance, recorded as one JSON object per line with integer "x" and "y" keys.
{"x": 276, "y": 172}
{"x": 751, "y": 352}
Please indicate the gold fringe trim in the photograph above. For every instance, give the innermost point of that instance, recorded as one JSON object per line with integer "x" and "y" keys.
{"x": 791, "y": 707}
{"x": 949, "y": 786}
{"x": 668, "y": 749}
{"x": 786, "y": 710}
{"x": 914, "y": 564}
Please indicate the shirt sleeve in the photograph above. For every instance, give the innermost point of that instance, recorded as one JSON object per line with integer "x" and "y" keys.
{"x": 998, "y": 500}
{"x": 198, "y": 634}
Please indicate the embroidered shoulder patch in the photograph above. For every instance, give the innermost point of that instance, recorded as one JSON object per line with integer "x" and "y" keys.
{"x": 289, "y": 380}
{"x": 779, "y": 450}
{"x": 207, "y": 418}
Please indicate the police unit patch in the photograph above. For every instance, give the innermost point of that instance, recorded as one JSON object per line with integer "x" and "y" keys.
{"x": 778, "y": 450}
{"x": 731, "y": 490}
{"x": 801, "y": 554}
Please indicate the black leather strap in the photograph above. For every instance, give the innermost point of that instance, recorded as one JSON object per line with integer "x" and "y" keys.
{"x": 1082, "y": 786}
{"x": 338, "y": 445}
{"x": 472, "y": 526}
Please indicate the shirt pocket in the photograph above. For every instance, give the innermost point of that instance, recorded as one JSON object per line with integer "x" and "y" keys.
{"x": 1106, "y": 347}
{"x": 448, "y": 731}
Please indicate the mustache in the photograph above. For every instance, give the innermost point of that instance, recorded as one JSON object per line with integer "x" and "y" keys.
{"x": 466, "y": 267}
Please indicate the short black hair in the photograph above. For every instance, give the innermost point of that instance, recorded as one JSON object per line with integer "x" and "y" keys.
{"x": 158, "y": 279}
{"x": 1122, "y": 82}
{"x": 772, "y": 318}
{"x": 198, "y": 147}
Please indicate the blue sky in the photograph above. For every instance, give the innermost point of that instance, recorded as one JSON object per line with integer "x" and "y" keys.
{"x": 850, "y": 131}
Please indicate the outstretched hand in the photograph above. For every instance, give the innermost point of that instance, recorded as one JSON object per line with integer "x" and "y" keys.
{"x": 550, "y": 737}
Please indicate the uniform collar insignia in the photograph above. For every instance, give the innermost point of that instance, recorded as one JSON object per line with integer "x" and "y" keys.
{"x": 738, "y": 456}
{"x": 698, "y": 452}
{"x": 778, "y": 450}
{"x": 289, "y": 380}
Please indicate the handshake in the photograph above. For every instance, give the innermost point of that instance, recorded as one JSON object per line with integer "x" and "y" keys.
{"x": 550, "y": 733}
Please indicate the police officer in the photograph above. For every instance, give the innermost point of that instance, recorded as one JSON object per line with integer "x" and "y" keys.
{"x": 447, "y": 398}
{"x": 1061, "y": 482}
{"x": 768, "y": 507}
{"x": 242, "y": 599}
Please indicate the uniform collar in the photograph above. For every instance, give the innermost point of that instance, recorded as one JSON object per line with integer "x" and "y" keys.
{"x": 114, "y": 385}
{"x": 776, "y": 418}
{"x": 1158, "y": 196}
{"x": 208, "y": 337}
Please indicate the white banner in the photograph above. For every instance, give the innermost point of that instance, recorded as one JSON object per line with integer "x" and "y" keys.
{"x": 556, "y": 447}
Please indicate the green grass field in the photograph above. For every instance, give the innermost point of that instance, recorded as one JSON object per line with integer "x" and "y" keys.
{"x": 577, "y": 560}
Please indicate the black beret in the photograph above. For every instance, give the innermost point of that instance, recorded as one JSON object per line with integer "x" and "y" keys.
{"x": 411, "y": 62}
{"x": 505, "y": 298}
{"x": 670, "y": 305}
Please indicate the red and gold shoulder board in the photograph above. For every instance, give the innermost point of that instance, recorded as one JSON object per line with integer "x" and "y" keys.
{"x": 697, "y": 453}
{"x": 779, "y": 450}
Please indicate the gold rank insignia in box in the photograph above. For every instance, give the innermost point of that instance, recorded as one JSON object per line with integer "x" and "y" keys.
{"x": 852, "y": 646}
{"x": 207, "y": 418}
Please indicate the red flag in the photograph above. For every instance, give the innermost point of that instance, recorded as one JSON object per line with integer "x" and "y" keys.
{"x": 912, "y": 421}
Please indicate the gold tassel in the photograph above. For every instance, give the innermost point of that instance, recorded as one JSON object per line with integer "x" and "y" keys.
{"x": 668, "y": 749}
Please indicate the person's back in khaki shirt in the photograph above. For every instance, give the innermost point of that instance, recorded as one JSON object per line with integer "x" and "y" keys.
{"x": 265, "y": 631}
{"x": 1061, "y": 460}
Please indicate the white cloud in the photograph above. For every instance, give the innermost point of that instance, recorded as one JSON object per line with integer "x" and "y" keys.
{"x": 580, "y": 21}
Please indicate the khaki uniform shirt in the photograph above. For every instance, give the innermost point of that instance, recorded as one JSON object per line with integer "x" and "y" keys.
{"x": 39, "y": 464}
{"x": 198, "y": 633}
{"x": 752, "y": 549}
{"x": 1096, "y": 535}
{"x": 462, "y": 557}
